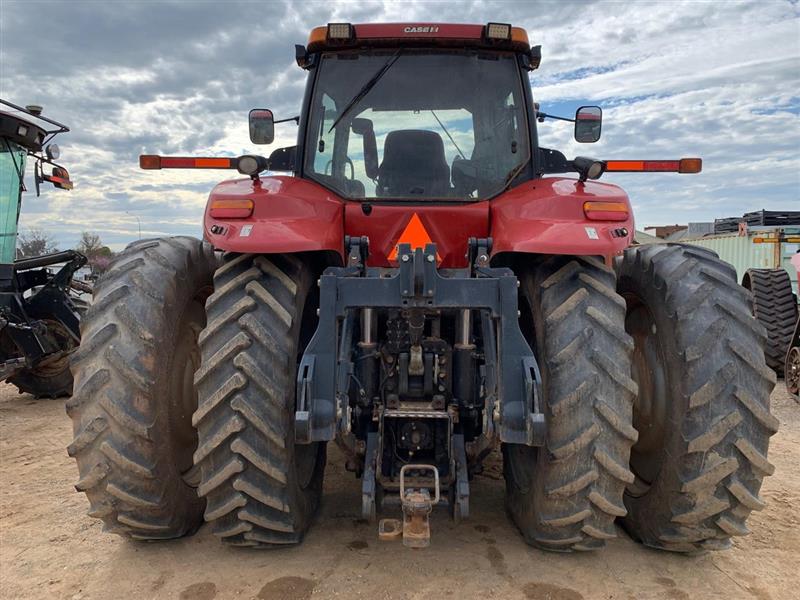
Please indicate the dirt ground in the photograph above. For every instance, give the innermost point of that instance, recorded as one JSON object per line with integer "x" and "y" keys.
{"x": 49, "y": 548}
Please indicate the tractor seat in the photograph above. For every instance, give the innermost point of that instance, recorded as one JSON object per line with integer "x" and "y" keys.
{"x": 413, "y": 164}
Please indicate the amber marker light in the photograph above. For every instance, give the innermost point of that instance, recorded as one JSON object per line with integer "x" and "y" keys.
{"x": 231, "y": 209}
{"x": 149, "y": 161}
{"x": 153, "y": 161}
{"x": 683, "y": 165}
{"x": 690, "y": 165}
{"x": 519, "y": 36}
{"x": 599, "y": 210}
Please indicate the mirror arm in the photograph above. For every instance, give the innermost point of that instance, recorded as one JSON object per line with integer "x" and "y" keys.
{"x": 541, "y": 116}
{"x": 295, "y": 119}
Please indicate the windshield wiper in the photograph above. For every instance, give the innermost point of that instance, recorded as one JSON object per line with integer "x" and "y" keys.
{"x": 367, "y": 87}
{"x": 460, "y": 153}
{"x": 512, "y": 174}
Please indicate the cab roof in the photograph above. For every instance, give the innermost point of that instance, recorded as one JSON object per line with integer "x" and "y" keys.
{"x": 499, "y": 36}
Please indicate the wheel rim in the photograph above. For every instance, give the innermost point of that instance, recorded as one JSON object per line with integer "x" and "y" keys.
{"x": 183, "y": 396}
{"x": 792, "y": 374}
{"x": 650, "y": 405}
{"x": 305, "y": 463}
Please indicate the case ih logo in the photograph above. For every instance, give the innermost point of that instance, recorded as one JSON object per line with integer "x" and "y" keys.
{"x": 422, "y": 29}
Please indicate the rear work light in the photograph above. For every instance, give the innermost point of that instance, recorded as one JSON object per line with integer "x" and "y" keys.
{"x": 498, "y": 31}
{"x": 340, "y": 31}
{"x": 231, "y": 209}
{"x": 684, "y": 165}
{"x": 599, "y": 210}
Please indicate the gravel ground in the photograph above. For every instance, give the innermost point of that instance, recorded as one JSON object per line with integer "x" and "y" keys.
{"x": 49, "y": 548}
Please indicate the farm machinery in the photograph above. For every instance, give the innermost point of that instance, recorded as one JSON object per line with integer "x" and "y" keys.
{"x": 425, "y": 285}
{"x": 791, "y": 368}
{"x": 39, "y": 310}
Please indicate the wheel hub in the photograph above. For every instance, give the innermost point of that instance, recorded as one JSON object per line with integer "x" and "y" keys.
{"x": 793, "y": 371}
{"x": 55, "y": 364}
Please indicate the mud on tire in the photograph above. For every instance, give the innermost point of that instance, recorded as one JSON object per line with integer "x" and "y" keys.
{"x": 133, "y": 399}
{"x": 703, "y": 406}
{"x": 261, "y": 489}
{"x": 566, "y": 495}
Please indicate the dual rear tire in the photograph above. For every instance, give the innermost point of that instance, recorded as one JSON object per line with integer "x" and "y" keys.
{"x": 679, "y": 451}
{"x": 172, "y": 424}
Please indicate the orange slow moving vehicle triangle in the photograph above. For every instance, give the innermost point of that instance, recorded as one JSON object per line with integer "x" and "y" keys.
{"x": 414, "y": 234}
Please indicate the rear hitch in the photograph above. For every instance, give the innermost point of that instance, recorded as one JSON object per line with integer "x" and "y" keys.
{"x": 417, "y": 506}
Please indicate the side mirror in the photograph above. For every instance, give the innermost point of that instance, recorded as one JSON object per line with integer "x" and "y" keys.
{"x": 588, "y": 123}
{"x": 262, "y": 126}
{"x": 282, "y": 159}
{"x": 364, "y": 128}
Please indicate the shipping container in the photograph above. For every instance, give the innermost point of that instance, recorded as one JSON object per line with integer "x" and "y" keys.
{"x": 744, "y": 251}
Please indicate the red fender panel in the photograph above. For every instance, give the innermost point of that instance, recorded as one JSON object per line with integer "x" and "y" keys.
{"x": 290, "y": 215}
{"x": 545, "y": 216}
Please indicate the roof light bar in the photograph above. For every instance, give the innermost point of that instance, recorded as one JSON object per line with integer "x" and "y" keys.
{"x": 498, "y": 31}
{"x": 683, "y": 165}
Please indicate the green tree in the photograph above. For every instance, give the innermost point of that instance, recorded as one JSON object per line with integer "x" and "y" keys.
{"x": 99, "y": 255}
{"x": 35, "y": 242}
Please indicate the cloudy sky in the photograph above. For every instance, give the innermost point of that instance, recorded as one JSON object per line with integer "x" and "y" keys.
{"x": 720, "y": 80}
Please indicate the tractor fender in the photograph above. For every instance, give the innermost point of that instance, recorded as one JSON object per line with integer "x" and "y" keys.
{"x": 289, "y": 215}
{"x": 545, "y": 216}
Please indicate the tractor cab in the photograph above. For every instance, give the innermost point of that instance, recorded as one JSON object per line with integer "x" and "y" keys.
{"x": 438, "y": 113}
{"x": 39, "y": 318}
{"x": 24, "y": 133}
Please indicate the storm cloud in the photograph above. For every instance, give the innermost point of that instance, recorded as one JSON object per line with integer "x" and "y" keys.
{"x": 713, "y": 79}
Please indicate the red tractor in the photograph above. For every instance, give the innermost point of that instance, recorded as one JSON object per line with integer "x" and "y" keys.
{"x": 425, "y": 287}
